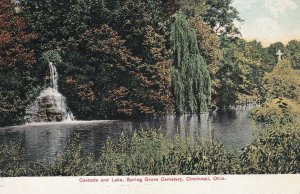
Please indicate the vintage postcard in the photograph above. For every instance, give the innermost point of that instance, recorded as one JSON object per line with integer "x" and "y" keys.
{"x": 149, "y": 96}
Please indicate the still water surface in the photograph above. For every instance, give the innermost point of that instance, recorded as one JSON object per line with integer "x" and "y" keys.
{"x": 42, "y": 141}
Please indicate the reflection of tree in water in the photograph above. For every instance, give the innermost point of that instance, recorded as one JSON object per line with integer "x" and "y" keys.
{"x": 231, "y": 128}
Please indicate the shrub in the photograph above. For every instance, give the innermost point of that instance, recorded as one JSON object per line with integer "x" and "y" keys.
{"x": 276, "y": 150}
{"x": 279, "y": 110}
{"x": 283, "y": 81}
{"x": 11, "y": 157}
{"x": 150, "y": 153}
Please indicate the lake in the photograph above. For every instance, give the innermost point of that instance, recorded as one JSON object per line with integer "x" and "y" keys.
{"x": 42, "y": 141}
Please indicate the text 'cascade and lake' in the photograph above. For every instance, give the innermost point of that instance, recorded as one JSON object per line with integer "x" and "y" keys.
{"x": 151, "y": 179}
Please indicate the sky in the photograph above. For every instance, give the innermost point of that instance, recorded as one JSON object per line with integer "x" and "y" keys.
{"x": 269, "y": 21}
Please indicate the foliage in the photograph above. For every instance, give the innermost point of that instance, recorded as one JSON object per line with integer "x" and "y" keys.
{"x": 282, "y": 110}
{"x": 152, "y": 153}
{"x": 155, "y": 61}
{"x": 229, "y": 77}
{"x": 11, "y": 157}
{"x": 239, "y": 77}
{"x": 283, "y": 81}
{"x": 148, "y": 152}
{"x": 71, "y": 34}
{"x": 52, "y": 56}
{"x": 57, "y": 22}
{"x": 208, "y": 42}
{"x": 76, "y": 30}
{"x": 270, "y": 59}
{"x": 221, "y": 16}
{"x": 123, "y": 85}
{"x": 14, "y": 38}
{"x": 68, "y": 36}
{"x": 16, "y": 63}
{"x": 282, "y": 89}
{"x": 293, "y": 48}
{"x": 191, "y": 80}
{"x": 276, "y": 150}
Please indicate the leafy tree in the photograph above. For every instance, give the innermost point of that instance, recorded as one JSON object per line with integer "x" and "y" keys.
{"x": 229, "y": 77}
{"x": 240, "y": 74}
{"x": 209, "y": 46}
{"x": 252, "y": 52}
{"x": 270, "y": 57}
{"x": 294, "y": 49}
{"x": 146, "y": 31}
{"x": 14, "y": 38}
{"x": 58, "y": 22}
{"x": 16, "y": 59}
{"x": 283, "y": 81}
{"x": 191, "y": 80}
{"x": 119, "y": 88}
{"x": 221, "y": 16}
{"x": 208, "y": 42}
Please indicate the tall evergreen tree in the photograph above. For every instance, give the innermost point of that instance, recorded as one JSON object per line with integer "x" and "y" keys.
{"x": 191, "y": 80}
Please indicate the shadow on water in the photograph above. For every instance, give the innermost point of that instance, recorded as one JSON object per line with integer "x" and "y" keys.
{"x": 42, "y": 141}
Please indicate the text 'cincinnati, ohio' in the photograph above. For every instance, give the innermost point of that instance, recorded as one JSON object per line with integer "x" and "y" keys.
{"x": 152, "y": 179}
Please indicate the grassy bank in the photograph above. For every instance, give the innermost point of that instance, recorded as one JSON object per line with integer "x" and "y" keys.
{"x": 147, "y": 152}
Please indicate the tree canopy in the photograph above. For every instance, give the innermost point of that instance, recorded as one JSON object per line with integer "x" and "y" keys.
{"x": 131, "y": 58}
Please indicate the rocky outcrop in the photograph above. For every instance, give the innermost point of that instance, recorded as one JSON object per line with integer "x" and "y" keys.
{"x": 49, "y": 107}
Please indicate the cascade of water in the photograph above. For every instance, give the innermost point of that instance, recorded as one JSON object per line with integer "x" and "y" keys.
{"x": 53, "y": 76}
{"x": 50, "y": 105}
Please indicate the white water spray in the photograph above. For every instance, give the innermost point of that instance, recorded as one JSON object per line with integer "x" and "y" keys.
{"x": 50, "y": 105}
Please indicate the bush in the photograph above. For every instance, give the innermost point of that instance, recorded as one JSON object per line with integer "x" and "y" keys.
{"x": 283, "y": 81}
{"x": 275, "y": 151}
{"x": 11, "y": 157}
{"x": 152, "y": 153}
{"x": 279, "y": 110}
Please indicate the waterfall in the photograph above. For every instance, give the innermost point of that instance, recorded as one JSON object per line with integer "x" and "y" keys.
{"x": 53, "y": 76}
{"x": 50, "y": 105}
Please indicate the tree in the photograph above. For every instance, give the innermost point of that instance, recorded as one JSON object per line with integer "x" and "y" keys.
{"x": 190, "y": 76}
{"x": 209, "y": 46}
{"x": 58, "y": 22}
{"x": 64, "y": 25}
{"x": 208, "y": 42}
{"x": 137, "y": 23}
{"x": 230, "y": 78}
{"x": 270, "y": 58}
{"x": 283, "y": 81}
{"x": 14, "y": 38}
{"x": 121, "y": 86}
{"x": 16, "y": 59}
{"x": 240, "y": 74}
{"x": 294, "y": 49}
{"x": 219, "y": 14}
{"x": 252, "y": 52}
{"x": 221, "y": 17}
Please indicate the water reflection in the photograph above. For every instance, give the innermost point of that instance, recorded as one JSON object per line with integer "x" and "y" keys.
{"x": 231, "y": 128}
